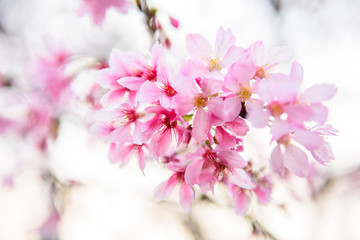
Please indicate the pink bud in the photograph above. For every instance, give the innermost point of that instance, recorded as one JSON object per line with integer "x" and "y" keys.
{"x": 174, "y": 22}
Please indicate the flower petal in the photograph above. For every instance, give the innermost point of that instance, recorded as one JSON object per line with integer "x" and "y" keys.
{"x": 186, "y": 196}
{"x": 160, "y": 143}
{"x": 227, "y": 110}
{"x": 132, "y": 83}
{"x": 201, "y": 125}
{"x": 296, "y": 161}
{"x": 193, "y": 170}
{"x": 198, "y": 47}
{"x": 233, "y": 54}
{"x": 241, "y": 201}
{"x": 318, "y": 93}
{"x": 148, "y": 93}
{"x": 310, "y": 140}
{"x": 277, "y": 161}
{"x": 225, "y": 139}
{"x": 164, "y": 189}
{"x": 241, "y": 179}
{"x": 224, "y": 40}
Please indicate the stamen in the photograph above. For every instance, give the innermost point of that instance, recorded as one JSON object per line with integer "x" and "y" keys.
{"x": 199, "y": 101}
{"x": 213, "y": 63}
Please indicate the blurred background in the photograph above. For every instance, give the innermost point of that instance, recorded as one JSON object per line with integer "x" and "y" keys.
{"x": 63, "y": 187}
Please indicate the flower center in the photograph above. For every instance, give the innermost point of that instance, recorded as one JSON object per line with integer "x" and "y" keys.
{"x": 245, "y": 93}
{"x": 199, "y": 101}
{"x": 260, "y": 73}
{"x": 169, "y": 91}
{"x": 285, "y": 140}
{"x": 276, "y": 109}
{"x": 169, "y": 124}
{"x": 126, "y": 116}
{"x": 213, "y": 63}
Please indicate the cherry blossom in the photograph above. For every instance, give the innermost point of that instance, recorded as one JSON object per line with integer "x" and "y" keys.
{"x": 194, "y": 120}
{"x": 98, "y": 8}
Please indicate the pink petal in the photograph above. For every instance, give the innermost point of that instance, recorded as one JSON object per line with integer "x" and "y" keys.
{"x": 107, "y": 78}
{"x": 193, "y": 170}
{"x": 224, "y": 40}
{"x": 263, "y": 193}
{"x": 257, "y": 115}
{"x": 296, "y": 161}
{"x": 132, "y": 83}
{"x": 160, "y": 143}
{"x": 201, "y": 125}
{"x": 113, "y": 97}
{"x": 231, "y": 83}
{"x": 318, "y": 93}
{"x": 198, "y": 47}
{"x": 310, "y": 140}
{"x": 186, "y": 196}
{"x": 184, "y": 86}
{"x": 164, "y": 189}
{"x": 320, "y": 113}
{"x": 296, "y": 75}
{"x": 279, "y": 54}
{"x": 324, "y": 154}
{"x": 225, "y": 139}
{"x": 157, "y": 53}
{"x": 298, "y": 113}
{"x": 241, "y": 202}
{"x": 243, "y": 70}
{"x": 116, "y": 62}
{"x": 182, "y": 104}
{"x": 120, "y": 153}
{"x": 280, "y": 128}
{"x": 232, "y": 159}
{"x": 238, "y": 127}
{"x": 210, "y": 86}
{"x": 233, "y": 54}
{"x": 194, "y": 69}
{"x": 120, "y": 134}
{"x": 277, "y": 161}
{"x": 241, "y": 179}
{"x": 101, "y": 130}
{"x": 141, "y": 159}
{"x": 125, "y": 62}
{"x": 227, "y": 110}
{"x": 149, "y": 93}
{"x": 257, "y": 53}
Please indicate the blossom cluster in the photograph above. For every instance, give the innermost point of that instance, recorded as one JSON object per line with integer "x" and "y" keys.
{"x": 193, "y": 121}
{"x": 33, "y": 112}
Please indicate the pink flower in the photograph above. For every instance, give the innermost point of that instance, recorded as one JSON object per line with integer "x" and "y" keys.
{"x": 115, "y": 125}
{"x": 135, "y": 68}
{"x": 286, "y": 154}
{"x": 207, "y": 59}
{"x": 265, "y": 61}
{"x": 48, "y": 72}
{"x": 160, "y": 92}
{"x": 229, "y": 140}
{"x": 163, "y": 129}
{"x": 190, "y": 97}
{"x": 164, "y": 189}
{"x": 282, "y": 99}
{"x": 107, "y": 79}
{"x": 237, "y": 84}
{"x": 127, "y": 72}
{"x": 123, "y": 152}
{"x": 209, "y": 166}
{"x": 98, "y": 8}
{"x": 241, "y": 185}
